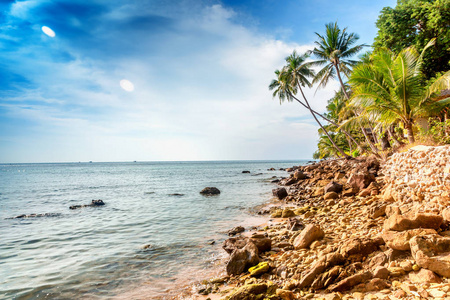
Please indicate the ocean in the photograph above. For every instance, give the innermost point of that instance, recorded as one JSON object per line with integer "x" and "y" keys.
{"x": 155, "y": 235}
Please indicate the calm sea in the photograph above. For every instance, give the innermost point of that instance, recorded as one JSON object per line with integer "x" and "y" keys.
{"x": 144, "y": 243}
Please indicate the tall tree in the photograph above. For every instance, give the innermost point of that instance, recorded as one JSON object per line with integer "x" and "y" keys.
{"x": 415, "y": 23}
{"x": 334, "y": 50}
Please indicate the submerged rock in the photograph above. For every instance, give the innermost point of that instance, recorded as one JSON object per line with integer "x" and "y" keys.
{"x": 94, "y": 203}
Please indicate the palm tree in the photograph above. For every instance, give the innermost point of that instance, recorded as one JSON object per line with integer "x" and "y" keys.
{"x": 393, "y": 86}
{"x": 292, "y": 78}
{"x": 334, "y": 50}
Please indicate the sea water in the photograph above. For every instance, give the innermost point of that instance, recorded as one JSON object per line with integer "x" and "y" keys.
{"x": 155, "y": 233}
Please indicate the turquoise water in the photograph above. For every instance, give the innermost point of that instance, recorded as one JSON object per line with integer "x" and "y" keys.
{"x": 142, "y": 237}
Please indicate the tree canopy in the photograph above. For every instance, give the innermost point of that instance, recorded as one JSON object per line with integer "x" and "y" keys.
{"x": 415, "y": 23}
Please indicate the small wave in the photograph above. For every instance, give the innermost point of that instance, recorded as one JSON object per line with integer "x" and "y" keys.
{"x": 24, "y": 216}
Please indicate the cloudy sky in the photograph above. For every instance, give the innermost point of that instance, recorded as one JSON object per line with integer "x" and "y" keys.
{"x": 110, "y": 80}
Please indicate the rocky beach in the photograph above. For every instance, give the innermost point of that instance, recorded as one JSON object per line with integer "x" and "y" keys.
{"x": 347, "y": 229}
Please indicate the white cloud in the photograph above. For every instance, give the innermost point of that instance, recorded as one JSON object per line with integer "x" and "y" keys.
{"x": 210, "y": 102}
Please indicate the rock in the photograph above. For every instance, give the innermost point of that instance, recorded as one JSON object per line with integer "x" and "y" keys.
{"x": 319, "y": 267}
{"x": 325, "y": 279}
{"x": 357, "y": 248}
{"x": 285, "y": 294}
{"x": 248, "y": 292}
{"x": 376, "y": 284}
{"x": 432, "y": 252}
{"x": 299, "y": 175}
{"x": 333, "y": 187}
{"x": 294, "y": 224}
{"x": 287, "y": 213}
{"x": 351, "y": 191}
{"x": 378, "y": 260}
{"x": 360, "y": 180}
{"x": 399, "y": 240}
{"x": 308, "y": 235}
{"x": 331, "y": 196}
{"x": 381, "y": 272}
{"x": 94, "y": 203}
{"x": 176, "y": 195}
{"x": 210, "y": 191}
{"x": 424, "y": 276}
{"x": 231, "y": 244}
{"x": 280, "y": 193}
{"x": 392, "y": 210}
{"x": 446, "y": 214}
{"x": 262, "y": 243}
{"x": 245, "y": 172}
{"x": 242, "y": 259}
{"x": 259, "y": 269}
{"x": 400, "y": 223}
{"x": 236, "y": 230}
{"x": 396, "y": 271}
{"x": 437, "y": 293}
{"x": 406, "y": 265}
{"x": 393, "y": 254}
{"x": 351, "y": 281}
{"x": 377, "y": 211}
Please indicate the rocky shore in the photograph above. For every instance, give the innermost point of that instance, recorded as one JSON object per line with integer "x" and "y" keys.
{"x": 348, "y": 229}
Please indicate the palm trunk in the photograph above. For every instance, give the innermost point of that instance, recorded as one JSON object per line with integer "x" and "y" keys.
{"x": 372, "y": 147}
{"x": 324, "y": 130}
{"x": 409, "y": 130}
{"x": 392, "y": 135}
{"x": 326, "y": 119}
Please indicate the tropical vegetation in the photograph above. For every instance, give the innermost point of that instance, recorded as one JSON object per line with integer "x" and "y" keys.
{"x": 394, "y": 89}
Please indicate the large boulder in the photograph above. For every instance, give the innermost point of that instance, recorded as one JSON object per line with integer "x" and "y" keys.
{"x": 398, "y": 222}
{"x": 280, "y": 193}
{"x": 242, "y": 259}
{"x": 432, "y": 252}
{"x": 210, "y": 191}
{"x": 399, "y": 240}
{"x": 333, "y": 187}
{"x": 308, "y": 235}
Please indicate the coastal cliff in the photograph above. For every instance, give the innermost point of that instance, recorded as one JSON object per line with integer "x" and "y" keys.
{"x": 349, "y": 229}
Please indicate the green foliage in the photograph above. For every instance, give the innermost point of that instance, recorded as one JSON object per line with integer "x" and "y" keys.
{"x": 415, "y": 23}
{"x": 438, "y": 132}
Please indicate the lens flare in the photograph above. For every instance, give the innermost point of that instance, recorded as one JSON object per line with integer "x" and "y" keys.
{"x": 48, "y": 31}
{"x": 127, "y": 85}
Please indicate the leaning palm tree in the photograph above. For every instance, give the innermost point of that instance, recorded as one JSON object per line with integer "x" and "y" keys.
{"x": 393, "y": 86}
{"x": 292, "y": 78}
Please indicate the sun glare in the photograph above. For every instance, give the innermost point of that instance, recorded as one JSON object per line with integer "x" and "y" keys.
{"x": 127, "y": 85}
{"x": 48, "y": 31}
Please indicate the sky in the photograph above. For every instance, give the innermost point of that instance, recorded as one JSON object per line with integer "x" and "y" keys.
{"x": 160, "y": 80}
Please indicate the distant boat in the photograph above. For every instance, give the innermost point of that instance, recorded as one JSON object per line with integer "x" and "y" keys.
{"x": 90, "y": 161}
{"x": 134, "y": 161}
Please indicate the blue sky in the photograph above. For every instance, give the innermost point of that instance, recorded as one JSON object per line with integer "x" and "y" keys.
{"x": 199, "y": 72}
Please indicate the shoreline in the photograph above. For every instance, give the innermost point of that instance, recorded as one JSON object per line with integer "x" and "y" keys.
{"x": 351, "y": 241}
